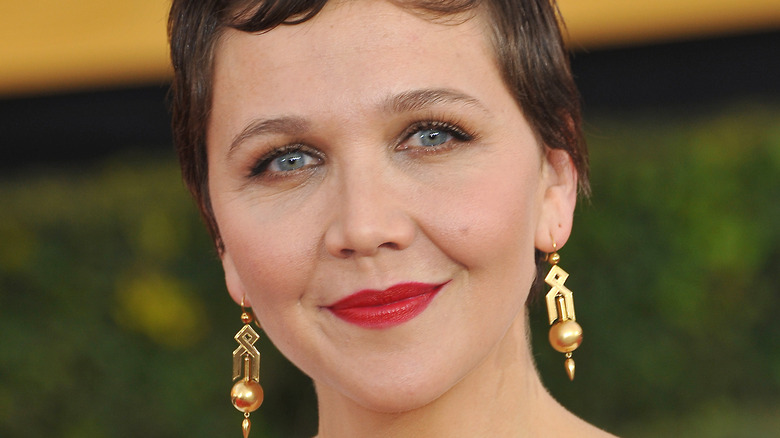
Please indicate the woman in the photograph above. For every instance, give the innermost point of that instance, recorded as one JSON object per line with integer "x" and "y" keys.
{"x": 380, "y": 178}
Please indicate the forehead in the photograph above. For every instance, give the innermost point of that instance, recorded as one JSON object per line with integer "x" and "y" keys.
{"x": 372, "y": 16}
{"x": 350, "y": 51}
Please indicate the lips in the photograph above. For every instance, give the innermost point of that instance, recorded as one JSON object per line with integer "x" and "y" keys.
{"x": 378, "y": 309}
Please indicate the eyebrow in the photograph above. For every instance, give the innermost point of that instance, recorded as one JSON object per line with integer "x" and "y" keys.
{"x": 416, "y": 100}
{"x": 408, "y": 101}
{"x": 285, "y": 125}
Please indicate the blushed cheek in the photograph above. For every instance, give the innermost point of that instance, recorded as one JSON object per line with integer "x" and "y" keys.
{"x": 491, "y": 219}
{"x": 272, "y": 264}
{"x": 264, "y": 256}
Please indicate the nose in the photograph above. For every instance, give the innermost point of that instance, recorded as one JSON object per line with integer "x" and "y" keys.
{"x": 369, "y": 215}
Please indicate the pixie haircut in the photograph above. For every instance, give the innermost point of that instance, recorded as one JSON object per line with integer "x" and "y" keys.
{"x": 526, "y": 40}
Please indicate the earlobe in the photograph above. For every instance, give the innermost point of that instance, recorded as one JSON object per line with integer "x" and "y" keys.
{"x": 559, "y": 177}
{"x": 232, "y": 281}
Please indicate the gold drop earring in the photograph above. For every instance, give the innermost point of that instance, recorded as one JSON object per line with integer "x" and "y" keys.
{"x": 565, "y": 333}
{"x": 247, "y": 394}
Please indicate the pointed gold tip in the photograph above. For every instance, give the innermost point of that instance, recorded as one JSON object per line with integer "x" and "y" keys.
{"x": 246, "y": 425}
{"x": 569, "y": 363}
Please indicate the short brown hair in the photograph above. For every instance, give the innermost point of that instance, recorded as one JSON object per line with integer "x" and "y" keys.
{"x": 525, "y": 33}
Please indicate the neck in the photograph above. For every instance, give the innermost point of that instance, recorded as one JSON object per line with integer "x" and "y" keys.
{"x": 502, "y": 397}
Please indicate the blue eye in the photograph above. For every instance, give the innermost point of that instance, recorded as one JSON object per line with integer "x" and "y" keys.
{"x": 432, "y": 137}
{"x": 292, "y": 160}
{"x": 287, "y": 159}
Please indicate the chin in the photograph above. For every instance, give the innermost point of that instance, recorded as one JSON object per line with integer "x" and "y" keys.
{"x": 396, "y": 397}
{"x": 391, "y": 388}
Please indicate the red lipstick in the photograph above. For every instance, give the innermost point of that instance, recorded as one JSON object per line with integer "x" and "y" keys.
{"x": 379, "y": 309}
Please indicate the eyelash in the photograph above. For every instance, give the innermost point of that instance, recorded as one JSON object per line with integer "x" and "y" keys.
{"x": 453, "y": 129}
{"x": 459, "y": 134}
{"x": 261, "y": 165}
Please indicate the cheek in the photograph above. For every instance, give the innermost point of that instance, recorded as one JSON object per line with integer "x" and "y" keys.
{"x": 489, "y": 217}
{"x": 272, "y": 255}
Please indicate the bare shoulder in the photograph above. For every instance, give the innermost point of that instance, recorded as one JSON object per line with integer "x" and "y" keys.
{"x": 592, "y": 431}
{"x": 568, "y": 424}
{"x": 583, "y": 429}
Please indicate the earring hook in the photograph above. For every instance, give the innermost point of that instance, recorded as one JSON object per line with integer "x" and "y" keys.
{"x": 247, "y": 315}
{"x": 553, "y": 258}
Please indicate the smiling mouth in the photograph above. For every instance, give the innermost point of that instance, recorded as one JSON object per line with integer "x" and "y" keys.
{"x": 377, "y": 309}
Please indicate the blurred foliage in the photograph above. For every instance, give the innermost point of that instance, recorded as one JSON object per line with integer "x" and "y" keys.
{"x": 675, "y": 264}
{"x": 114, "y": 314}
{"x": 115, "y": 321}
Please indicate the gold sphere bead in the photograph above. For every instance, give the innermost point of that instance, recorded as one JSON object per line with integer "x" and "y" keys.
{"x": 247, "y": 396}
{"x": 246, "y": 318}
{"x": 554, "y": 258}
{"x": 565, "y": 336}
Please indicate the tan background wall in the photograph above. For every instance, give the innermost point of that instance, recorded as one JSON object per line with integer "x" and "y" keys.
{"x": 60, "y": 45}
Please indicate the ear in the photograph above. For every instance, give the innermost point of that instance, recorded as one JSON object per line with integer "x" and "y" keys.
{"x": 559, "y": 180}
{"x": 234, "y": 285}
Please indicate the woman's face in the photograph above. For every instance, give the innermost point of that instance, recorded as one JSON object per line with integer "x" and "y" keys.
{"x": 373, "y": 154}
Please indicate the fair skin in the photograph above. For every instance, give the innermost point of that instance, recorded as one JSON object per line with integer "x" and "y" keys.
{"x": 358, "y": 201}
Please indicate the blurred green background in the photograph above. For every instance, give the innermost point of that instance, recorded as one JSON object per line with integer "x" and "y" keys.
{"x": 115, "y": 321}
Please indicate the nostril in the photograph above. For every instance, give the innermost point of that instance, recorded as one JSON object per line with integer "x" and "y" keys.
{"x": 361, "y": 232}
{"x": 349, "y": 252}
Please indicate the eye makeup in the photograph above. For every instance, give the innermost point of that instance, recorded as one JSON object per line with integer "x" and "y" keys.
{"x": 288, "y": 159}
